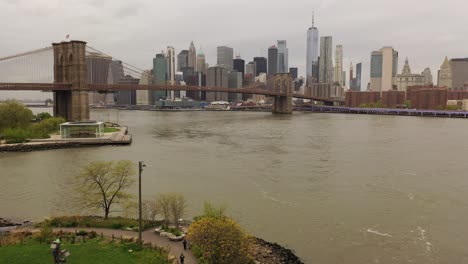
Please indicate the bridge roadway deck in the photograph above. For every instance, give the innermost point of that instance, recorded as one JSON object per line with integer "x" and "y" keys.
{"x": 252, "y": 89}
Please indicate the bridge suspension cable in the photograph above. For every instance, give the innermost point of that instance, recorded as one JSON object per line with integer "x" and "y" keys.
{"x": 34, "y": 66}
{"x": 132, "y": 70}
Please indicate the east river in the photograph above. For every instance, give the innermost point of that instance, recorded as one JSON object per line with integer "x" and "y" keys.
{"x": 334, "y": 188}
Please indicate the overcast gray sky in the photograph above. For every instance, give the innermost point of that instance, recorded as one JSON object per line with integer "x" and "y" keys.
{"x": 425, "y": 31}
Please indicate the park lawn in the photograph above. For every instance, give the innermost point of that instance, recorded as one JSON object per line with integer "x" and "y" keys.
{"x": 91, "y": 252}
{"x": 111, "y": 129}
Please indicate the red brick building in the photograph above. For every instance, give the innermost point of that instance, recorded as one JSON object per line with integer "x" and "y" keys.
{"x": 354, "y": 99}
{"x": 429, "y": 98}
{"x": 457, "y": 95}
{"x": 393, "y": 98}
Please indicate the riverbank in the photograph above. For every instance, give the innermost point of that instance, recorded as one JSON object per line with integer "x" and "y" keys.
{"x": 263, "y": 252}
{"x": 383, "y": 111}
{"x": 118, "y": 138}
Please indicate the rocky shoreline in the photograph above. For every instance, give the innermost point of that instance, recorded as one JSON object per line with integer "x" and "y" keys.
{"x": 265, "y": 252}
{"x": 26, "y": 147}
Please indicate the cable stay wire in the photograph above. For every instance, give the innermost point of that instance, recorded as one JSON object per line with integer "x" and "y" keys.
{"x": 102, "y": 53}
{"x": 26, "y": 53}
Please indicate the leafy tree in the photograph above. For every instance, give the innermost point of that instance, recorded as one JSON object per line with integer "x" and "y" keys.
{"x": 211, "y": 211}
{"x": 14, "y": 115}
{"x": 219, "y": 240}
{"x": 102, "y": 184}
{"x": 43, "y": 115}
{"x": 150, "y": 210}
{"x": 45, "y": 127}
{"x": 177, "y": 206}
{"x": 172, "y": 207}
{"x": 163, "y": 202}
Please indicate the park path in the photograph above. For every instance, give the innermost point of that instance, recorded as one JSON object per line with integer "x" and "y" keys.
{"x": 175, "y": 248}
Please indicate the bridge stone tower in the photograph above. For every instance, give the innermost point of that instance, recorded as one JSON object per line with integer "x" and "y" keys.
{"x": 282, "y": 83}
{"x": 70, "y": 67}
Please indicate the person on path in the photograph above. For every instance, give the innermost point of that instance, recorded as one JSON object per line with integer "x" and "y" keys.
{"x": 56, "y": 251}
{"x": 185, "y": 244}
{"x": 182, "y": 257}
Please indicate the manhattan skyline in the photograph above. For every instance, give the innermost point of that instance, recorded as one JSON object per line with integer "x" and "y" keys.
{"x": 360, "y": 26}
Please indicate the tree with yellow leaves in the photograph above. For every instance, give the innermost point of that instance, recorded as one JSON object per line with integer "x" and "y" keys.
{"x": 216, "y": 238}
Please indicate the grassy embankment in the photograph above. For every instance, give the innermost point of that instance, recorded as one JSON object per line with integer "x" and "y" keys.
{"x": 93, "y": 251}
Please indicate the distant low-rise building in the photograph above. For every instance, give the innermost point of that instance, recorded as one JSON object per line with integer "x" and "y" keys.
{"x": 427, "y": 97}
{"x": 392, "y": 99}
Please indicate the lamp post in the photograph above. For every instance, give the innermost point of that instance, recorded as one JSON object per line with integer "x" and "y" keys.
{"x": 140, "y": 170}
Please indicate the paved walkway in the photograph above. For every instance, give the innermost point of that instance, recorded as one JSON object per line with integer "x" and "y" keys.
{"x": 176, "y": 248}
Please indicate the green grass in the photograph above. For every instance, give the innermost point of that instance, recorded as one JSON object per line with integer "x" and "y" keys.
{"x": 111, "y": 129}
{"x": 93, "y": 251}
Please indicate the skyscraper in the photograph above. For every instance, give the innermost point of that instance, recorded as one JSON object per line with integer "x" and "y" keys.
{"x": 282, "y": 56}
{"x": 326, "y": 62}
{"x": 145, "y": 97}
{"x": 260, "y": 65}
{"x": 312, "y": 53}
{"x": 160, "y": 75}
{"x": 218, "y": 77}
{"x": 239, "y": 65}
{"x": 97, "y": 73}
{"x": 293, "y": 72}
{"x": 272, "y": 60}
{"x": 459, "y": 67}
{"x": 235, "y": 81}
{"x": 358, "y": 76}
{"x": 225, "y": 56}
{"x": 116, "y": 72}
{"x": 384, "y": 68}
{"x": 171, "y": 69}
{"x": 339, "y": 64}
{"x": 250, "y": 69}
{"x": 182, "y": 60}
{"x": 201, "y": 64}
{"x": 444, "y": 77}
{"x": 192, "y": 57}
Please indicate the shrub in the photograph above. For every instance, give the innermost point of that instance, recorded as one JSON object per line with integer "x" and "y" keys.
{"x": 14, "y": 115}
{"x": 15, "y": 135}
{"x": 219, "y": 240}
{"x": 46, "y": 233}
{"x": 92, "y": 234}
{"x": 82, "y": 233}
{"x": 96, "y": 222}
{"x": 43, "y": 115}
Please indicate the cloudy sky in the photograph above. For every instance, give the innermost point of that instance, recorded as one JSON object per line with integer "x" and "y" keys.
{"x": 425, "y": 31}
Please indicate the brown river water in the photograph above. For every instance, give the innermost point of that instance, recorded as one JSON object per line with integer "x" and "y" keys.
{"x": 334, "y": 188}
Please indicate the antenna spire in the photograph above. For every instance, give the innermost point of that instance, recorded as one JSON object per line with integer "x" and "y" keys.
{"x": 313, "y": 15}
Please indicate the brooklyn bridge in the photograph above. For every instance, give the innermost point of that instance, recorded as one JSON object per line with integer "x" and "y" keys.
{"x": 68, "y": 81}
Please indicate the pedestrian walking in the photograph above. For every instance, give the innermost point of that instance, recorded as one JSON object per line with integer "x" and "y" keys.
{"x": 185, "y": 244}
{"x": 182, "y": 257}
